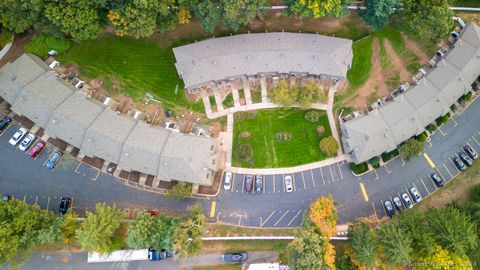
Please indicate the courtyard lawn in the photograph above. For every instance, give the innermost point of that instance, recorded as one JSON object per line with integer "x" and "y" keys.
{"x": 130, "y": 66}
{"x": 259, "y": 130}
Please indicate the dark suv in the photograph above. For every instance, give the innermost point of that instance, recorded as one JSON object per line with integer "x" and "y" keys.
{"x": 437, "y": 179}
{"x": 64, "y": 205}
{"x": 459, "y": 164}
{"x": 248, "y": 183}
{"x": 4, "y": 122}
{"x": 470, "y": 151}
{"x": 466, "y": 159}
{"x": 258, "y": 183}
{"x": 234, "y": 257}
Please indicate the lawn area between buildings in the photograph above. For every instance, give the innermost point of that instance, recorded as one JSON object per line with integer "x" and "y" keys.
{"x": 131, "y": 66}
{"x": 219, "y": 230}
{"x": 275, "y": 138}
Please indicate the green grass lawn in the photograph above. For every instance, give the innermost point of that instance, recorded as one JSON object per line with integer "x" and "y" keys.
{"x": 361, "y": 63}
{"x": 302, "y": 148}
{"x": 137, "y": 66}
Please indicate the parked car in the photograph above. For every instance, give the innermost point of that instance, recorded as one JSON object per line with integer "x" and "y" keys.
{"x": 36, "y": 149}
{"x": 4, "y": 122}
{"x": 407, "y": 201}
{"x": 161, "y": 255}
{"x": 416, "y": 196}
{"x": 388, "y": 208}
{"x": 437, "y": 179}
{"x": 53, "y": 160}
{"x": 152, "y": 213}
{"x": 258, "y": 183}
{"x": 111, "y": 168}
{"x": 6, "y": 198}
{"x": 459, "y": 164}
{"x": 234, "y": 257}
{"x": 397, "y": 203}
{"x": 228, "y": 181}
{"x": 27, "y": 141}
{"x": 466, "y": 159}
{"x": 17, "y": 137}
{"x": 288, "y": 183}
{"x": 64, "y": 205}
{"x": 248, "y": 182}
{"x": 470, "y": 151}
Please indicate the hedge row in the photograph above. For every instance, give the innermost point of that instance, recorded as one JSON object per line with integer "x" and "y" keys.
{"x": 358, "y": 169}
{"x": 389, "y": 155}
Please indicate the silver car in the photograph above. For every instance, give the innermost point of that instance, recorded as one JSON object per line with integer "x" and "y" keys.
{"x": 228, "y": 181}
{"x": 416, "y": 196}
{"x": 407, "y": 201}
{"x": 288, "y": 183}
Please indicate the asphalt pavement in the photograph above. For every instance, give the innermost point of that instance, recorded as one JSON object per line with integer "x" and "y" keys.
{"x": 28, "y": 179}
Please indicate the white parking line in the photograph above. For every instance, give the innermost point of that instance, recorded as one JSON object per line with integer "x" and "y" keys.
{"x": 300, "y": 211}
{"x": 476, "y": 140}
{"x": 233, "y": 182}
{"x": 340, "y": 171}
{"x": 278, "y": 221}
{"x": 458, "y": 171}
{"x": 451, "y": 175}
{"x": 261, "y": 219}
{"x": 313, "y": 179}
{"x": 425, "y": 186}
{"x": 331, "y": 173}
{"x": 321, "y": 172}
{"x": 434, "y": 185}
{"x": 5, "y": 129}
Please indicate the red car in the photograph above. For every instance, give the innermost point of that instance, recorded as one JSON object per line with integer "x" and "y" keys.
{"x": 36, "y": 149}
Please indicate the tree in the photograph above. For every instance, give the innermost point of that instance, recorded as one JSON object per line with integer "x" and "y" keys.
{"x": 329, "y": 145}
{"x": 324, "y": 215}
{"x": 309, "y": 94}
{"x": 78, "y": 18}
{"x": 151, "y": 232}
{"x": 411, "y": 148}
{"x": 68, "y": 227}
{"x": 187, "y": 237}
{"x": 309, "y": 249}
{"x": 416, "y": 226}
{"x": 18, "y": 16}
{"x": 281, "y": 94}
{"x": 22, "y": 226}
{"x": 395, "y": 243}
{"x": 379, "y": 11}
{"x": 208, "y": 11}
{"x": 426, "y": 19}
{"x": 317, "y": 8}
{"x": 180, "y": 191}
{"x": 453, "y": 230}
{"x": 241, "y": 12}
{"x": 442, "y": 259}
{"x": 183, "y": 15}
{"x": 312, "y": 116}
{"x": 364, "y": 248}
{"x": 97, "y": 232}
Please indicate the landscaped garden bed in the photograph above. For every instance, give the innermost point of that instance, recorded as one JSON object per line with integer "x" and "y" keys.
{"x": 275, "y": 138}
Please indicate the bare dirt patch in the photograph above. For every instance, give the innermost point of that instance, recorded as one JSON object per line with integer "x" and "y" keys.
{"x": 375, "y": 86}
{"x": 18, "y": 47}
{"x": 125, "y": 103}
{"x": 397, "y": 63}
{"x": 155, "y": 113}
{"x": 416, "y": 50}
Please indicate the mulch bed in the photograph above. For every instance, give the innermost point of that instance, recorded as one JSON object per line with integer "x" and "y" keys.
{"x": 212, "y": 190}
{"x": 94, "y": 162}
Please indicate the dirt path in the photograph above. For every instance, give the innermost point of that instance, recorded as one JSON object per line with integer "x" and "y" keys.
{"x": 397, "y": 63}
{"x": 375, "y": 85}
{"x": 416, "y": 50}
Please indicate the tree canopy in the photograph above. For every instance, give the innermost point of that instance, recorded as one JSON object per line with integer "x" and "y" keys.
{"x": 151, "y": 232}
{"x": 317, "y": 8}
{"x": 18, "y": 16}
{"x": 187, "y": 237}
{"x": 379, "y": 12}
{"x": 363, "y": 244}
{"x": 329, "y": 145}
{"x": 412, "y": 147}
{"x": 283, "y": 95}
{"x": 180, "y": 191}
{"x": 396, "y": 245}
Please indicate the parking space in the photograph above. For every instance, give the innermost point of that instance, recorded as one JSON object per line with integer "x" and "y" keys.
{"x": 269, "y": 184}
{"x": 238, "y": 183}
{"x": 90, "y": 172}
{"x": 299, "y": 182}
{"x": 308, "y": 179}
{"x": 318, "y": 177}
{"x": 278, "y": 183}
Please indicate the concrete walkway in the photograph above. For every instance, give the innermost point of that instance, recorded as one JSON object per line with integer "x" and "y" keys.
{"x": 246, "y": 91}
{"x": 263, "y": 85}
{"x": 331, "y": 117}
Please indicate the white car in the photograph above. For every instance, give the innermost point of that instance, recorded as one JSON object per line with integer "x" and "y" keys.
{"x": 288, "y": 183}
{"x": 26, "y": 142}
{"x": 416, "y": 196}
{"x": 18, "y": 136}
{"x": 228, "y": 181}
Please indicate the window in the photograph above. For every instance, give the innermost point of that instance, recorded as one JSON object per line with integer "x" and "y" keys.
{"x": 213, "y": 162}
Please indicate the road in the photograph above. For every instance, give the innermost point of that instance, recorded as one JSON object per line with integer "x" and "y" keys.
{"x": 78, "y": 260}
{"x": 29, "y": 180}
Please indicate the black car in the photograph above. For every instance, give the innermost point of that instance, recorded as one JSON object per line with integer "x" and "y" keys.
{"x": 437, "y": 179}
{"x": 470, "y": 151}
{"x": 6, "y": 198}
{"x": 466, "y": 159}
{"x": 258, "y": 183}
{"x": 234, "y": 257}
{"x": 459, "y": 164}
{"x": 248, "y": 182}
{"x": 4, "y": 122}
{"x": 64, "y": 205}
{"x": 388, "y": 208}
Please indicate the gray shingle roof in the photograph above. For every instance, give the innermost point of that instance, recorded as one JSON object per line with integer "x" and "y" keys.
{"x": 250, "y": 54}
{"x": 187, "y": 157}
{"x": 41, "y": 97}
{"x": 14, "y": 76}
{"x": 143, "y": 148}
{"x": 408, "y": 114}
{"x": 72, "y": 118}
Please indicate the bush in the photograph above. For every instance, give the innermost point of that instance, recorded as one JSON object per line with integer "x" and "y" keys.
{"x": 411, "y": 148}
{"x": 422, "y": 137}
{"x": 358, "y": 168}
{"x": 42, "y": 43}
{"x": 180, "y": 191}
{"x": 432, "y": 128}
{"x": 389, "y": 155}
{"x": 375, "y": 162}
{"x": 468, "y": 96}
{"x": 5, "y": 37}
{"x": 329, "y": 145}
{"x": 442, "y": 119}
{"x": 474, "y": 194}
{"x": 320, "y": 130}
{"x": 312, "y": 116}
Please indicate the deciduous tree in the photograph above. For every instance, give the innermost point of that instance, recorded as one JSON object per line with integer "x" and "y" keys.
{"x": 324, "y": 215}
{"x": 411, "y": 148}
{"x": 329, "y": 145}
{"x": 68, "y": 227}
{"x": 395, "y": 243}
{"x": 180, "y": 191}
{"x": 442, "y": 259}
{"x": 309, "y": 94}
{"x": 240, "y": 12}
{"x": 183, "y": 15}
{"x": 187, "y": 237}
{"x": 97, "y": 232}
{"x": 283, "y": 95}
{"x": 18, "y": 16}
{"x": 317, "y": 8}
{"x": 379, "y": 11}
{"x": 151, "y": 232}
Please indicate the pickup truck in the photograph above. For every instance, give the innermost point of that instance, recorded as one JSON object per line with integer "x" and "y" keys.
{"x": 234, "y": 257}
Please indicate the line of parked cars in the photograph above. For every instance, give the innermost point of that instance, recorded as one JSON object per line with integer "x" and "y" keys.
{"x": 255, "y": 183}
{"x": 465, "y": 158}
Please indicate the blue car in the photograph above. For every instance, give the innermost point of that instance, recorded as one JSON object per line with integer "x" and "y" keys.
{"x": 54, "y": 159}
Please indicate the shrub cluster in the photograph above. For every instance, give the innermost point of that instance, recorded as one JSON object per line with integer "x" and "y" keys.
{"x": 358, "y": 168}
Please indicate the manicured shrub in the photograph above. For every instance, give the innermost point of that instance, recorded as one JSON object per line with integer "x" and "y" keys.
{"x": 320, "y": 129}
{"x": 443, "y": 119}
{"x": 5, "y": 37}
{"x": 422, "y": 137}
{"x": 375, "y": 162}
{"x": 312, "y": 116}
{"x": 432, "y": 127}
{"x": 329, "y": 145}
{"x": 389, "y": 155}
{"x": 468, "y": 96}
{"x": 358, "y": 168}
{"x": 42, "y": 43}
